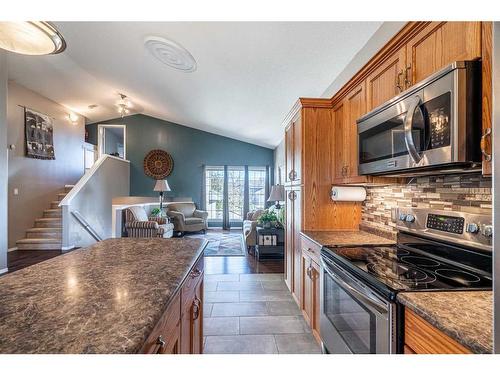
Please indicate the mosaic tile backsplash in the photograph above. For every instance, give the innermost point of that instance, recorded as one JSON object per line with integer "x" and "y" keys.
{"x": 468, "y": 193}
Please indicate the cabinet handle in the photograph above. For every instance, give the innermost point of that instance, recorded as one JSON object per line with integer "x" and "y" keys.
{"x": 292, "y": 175}
{"x": 196, "y": 272}
{"x": 398, "y": 80}
{"x": 160, "y": 341}
{"x": 196, "y": 308}
{"x": 292, "y": 195}
{"x": 407, "y": 76}
{"x": 487, "y": 133}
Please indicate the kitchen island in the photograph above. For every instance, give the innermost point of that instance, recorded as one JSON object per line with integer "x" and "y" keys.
{"x": 112, "y": 297}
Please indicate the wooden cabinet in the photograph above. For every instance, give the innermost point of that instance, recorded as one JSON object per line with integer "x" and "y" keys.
{"x": 292, "y": 240}
{"x": 486, "y": 66}
{"x": 165, "y": 337}
{"x": 439, "y": 44}
{"x": 180, "y": 329}
{"x": 423, "y": 338}
{"x": 293, "y": 150}
{"x": 192, "y": 311}
{"x": 310, "y": 295}
{"x": 386, "y": 80}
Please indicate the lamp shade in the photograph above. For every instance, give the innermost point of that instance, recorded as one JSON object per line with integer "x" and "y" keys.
{"x": 161, "y": 185}
{"x": 277, "y": 193}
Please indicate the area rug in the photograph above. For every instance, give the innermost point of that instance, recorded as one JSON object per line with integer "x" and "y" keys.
{"x": 222, "y": 243}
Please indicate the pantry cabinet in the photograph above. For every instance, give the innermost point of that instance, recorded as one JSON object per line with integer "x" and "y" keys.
{"x": 292, "y": 240}
{"x": 293, "y": 150}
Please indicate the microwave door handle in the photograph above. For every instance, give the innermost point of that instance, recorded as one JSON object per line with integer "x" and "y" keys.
{"x": 408, "y": 126}
{"x": 376, "y": 305}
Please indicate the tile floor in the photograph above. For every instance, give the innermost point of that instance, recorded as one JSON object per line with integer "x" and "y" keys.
{"x": 253, "y": 314}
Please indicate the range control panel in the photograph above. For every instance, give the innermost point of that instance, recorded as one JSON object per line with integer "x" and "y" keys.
{"x": 451, "y": 224}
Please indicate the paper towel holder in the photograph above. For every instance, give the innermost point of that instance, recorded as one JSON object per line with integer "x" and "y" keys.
{"x": 337, "y": 193}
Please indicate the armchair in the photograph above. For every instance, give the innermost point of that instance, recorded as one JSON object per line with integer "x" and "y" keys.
{"x": 187, "y": 218}
{"x": 249, "y": 228}
{"x": 138, "y": 224}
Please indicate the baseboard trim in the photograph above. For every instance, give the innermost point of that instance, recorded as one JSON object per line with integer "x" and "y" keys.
{"x": 12, "y": 249}
{"x": 2, "y": 271}
{"x": 67, "y": 248}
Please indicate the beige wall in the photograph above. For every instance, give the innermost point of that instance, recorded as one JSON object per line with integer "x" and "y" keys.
{"x": 279, "y": 162}
{"x": 39, "y": 181}
{"x": 3, "y": 162}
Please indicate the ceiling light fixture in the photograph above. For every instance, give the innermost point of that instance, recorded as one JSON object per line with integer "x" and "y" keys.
{"x": 31, "y": 38}
{"x": 73, "y": 118}
{"x": 123, "y": 105}
{"x": 170, "y": 53}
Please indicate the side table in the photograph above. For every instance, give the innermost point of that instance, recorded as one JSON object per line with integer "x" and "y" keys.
{"x": 270, "y": 242}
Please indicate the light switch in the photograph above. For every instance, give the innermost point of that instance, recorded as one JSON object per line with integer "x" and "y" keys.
{"x": 16, "y": 191}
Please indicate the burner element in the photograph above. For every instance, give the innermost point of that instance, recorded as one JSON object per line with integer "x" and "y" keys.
{"x": 401, "y": 273}
{"x": 420, "y": 261}
{"x": 458, "y": 276}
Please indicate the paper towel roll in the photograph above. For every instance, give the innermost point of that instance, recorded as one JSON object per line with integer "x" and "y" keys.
{"x": 348, "y": 193}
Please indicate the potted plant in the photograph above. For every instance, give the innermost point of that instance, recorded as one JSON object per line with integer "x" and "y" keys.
{"x": 268, "y": 219}
{"x": 155, "y": 212}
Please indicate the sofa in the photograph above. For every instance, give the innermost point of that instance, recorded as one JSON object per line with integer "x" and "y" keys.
{"x": 249, "y": 228}
{"x": 138, "y": 224}
{"x": 186, "y": 218}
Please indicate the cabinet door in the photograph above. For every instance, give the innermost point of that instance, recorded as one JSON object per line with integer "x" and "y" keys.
{"x": 289, "y": 237}
{"x": 387, "y": 80}
{"x": 440, "y": 44}
{"x": 289, "y": 153}
{"x": 315, "y": 308}
{"x": 297, "y": 227}
{"x": 197, "y": 321}
{"x": 339, "y": 142}
{"x": 306, "y": 294}
{"x": 486, "y": 66}
{"x": 355, "y": 107}
{"x": 165, "y": 338}
{"x": 297, "y": 148}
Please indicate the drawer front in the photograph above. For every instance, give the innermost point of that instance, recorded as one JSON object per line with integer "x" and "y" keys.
{"x": 165, "y": 335}
{"x": 310, "y": 248}
{"x": 193, "y": 278}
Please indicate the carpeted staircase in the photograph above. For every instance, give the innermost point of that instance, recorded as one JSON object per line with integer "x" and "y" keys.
{"x": 47, "y": 233}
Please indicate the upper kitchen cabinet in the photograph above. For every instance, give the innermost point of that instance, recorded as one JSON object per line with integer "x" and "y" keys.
{"x": 386, "y": 80}
{"x": 439, "y": 44}
{"x": 293, "y": 150}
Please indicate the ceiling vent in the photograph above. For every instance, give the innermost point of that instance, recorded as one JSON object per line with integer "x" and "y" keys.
{"x": 170, "y": 53}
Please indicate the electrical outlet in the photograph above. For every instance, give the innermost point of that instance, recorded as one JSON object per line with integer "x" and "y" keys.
{"x": 16, "y": 191}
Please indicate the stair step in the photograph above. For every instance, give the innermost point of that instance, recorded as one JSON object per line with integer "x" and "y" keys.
{"x": 67, "y": 188}
{"x": 60, "y": 196}
{"x": 44, "y": 233}
{"x": 54, "y": 204}
{"x": 46, "y": 222}
{"x": 53, "y": 212}
{"x": 39, "y": 244}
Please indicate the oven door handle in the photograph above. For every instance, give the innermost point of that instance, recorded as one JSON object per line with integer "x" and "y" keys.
{"x": 408, "y": 126}
{"x": 378, "y": 305}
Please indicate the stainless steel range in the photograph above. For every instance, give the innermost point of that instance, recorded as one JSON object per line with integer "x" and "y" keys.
{"x": 435, "y": 251}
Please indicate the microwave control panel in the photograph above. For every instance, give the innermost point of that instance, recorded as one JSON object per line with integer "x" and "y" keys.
{"x": 444, "y": 223}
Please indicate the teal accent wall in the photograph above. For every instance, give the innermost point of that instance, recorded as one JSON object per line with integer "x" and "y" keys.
{"x": 190, "y": 148}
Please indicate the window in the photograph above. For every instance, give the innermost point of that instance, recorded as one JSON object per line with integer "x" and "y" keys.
{"x": 236, "y": 192}
{"x": 226, "y": 185}
{"x": 257, "y": 188}
{"x": 214, "y": 184}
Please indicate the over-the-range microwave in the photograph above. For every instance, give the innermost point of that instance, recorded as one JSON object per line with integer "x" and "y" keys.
{"x": 433, "y": 126}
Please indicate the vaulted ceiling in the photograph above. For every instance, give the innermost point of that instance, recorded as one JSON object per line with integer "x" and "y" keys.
{"x": 248, "y": 74}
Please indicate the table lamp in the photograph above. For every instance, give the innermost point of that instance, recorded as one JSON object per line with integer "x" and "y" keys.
{"x": 161, "y": 186}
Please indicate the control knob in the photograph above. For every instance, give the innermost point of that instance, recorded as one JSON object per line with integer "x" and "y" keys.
{"x": 410, "y": 218}
{"x": 472, "y": 228}
{"x": 487, "y": 230}
{"x": 402, "y": 217}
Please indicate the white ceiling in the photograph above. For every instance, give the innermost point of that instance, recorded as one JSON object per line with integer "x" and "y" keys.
{"x": 249, "y": 74}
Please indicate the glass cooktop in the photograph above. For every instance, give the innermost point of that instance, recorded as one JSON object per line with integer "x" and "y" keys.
{"x": 401, "y": 269}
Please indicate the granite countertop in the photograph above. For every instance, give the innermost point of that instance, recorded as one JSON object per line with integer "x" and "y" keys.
{"x": 106, "y": 298}
{"x": 467, "y": 317}
{"x": 347, "y": 238}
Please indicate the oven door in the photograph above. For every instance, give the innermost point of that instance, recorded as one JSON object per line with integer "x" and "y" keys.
{"x": 353, "y": 318}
